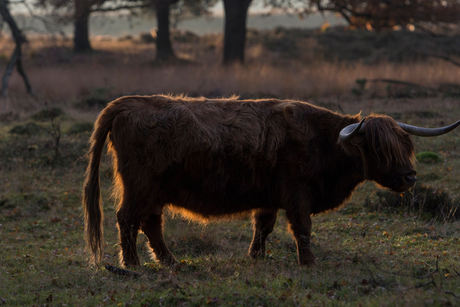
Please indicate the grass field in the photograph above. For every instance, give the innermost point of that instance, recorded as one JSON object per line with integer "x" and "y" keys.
{"x": 368, "y": 254}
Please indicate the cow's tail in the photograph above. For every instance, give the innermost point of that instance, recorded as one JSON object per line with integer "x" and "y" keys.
{"x": 92, "y": 205}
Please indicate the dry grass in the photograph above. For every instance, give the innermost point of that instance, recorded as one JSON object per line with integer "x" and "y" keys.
{"x": 70, "y": 82}
{"x": 127, "y": 67}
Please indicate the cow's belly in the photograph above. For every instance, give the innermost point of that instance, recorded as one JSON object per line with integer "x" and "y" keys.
{"x": 216, "y": 191}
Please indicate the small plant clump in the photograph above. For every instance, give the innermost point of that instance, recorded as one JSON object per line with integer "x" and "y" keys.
{"x": 8, "y": 117}
{"x": 426, "y": 202}
{"x": 147, "y": 38}
{"x": 47, "y": 114}
{"x": 428, "y": 157}
{"x": 80, "y": 128}
{"x": 30, "y": 128}
{"x": 98, "y": 98}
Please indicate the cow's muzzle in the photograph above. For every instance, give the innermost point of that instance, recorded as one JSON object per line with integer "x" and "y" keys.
{"x": 405, "y": 182}
{"x": 410, "y": 178}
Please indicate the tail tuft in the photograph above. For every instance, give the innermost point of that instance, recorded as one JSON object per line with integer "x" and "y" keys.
{"x": 92, "y": 205}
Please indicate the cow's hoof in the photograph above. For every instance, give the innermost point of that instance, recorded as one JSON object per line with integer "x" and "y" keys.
{"x": 308, "y": 261}
{"x": 130, "y": 263}
{"x": 128, "y": 259}
{"x": 256, "y": 254}
{"x": 169, "y": 261}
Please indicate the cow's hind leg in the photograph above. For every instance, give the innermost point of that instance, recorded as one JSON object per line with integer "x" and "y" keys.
{"x": 128, "y": 228}
{"x": 153, "y": 229}
{"x": 264, "y": 221}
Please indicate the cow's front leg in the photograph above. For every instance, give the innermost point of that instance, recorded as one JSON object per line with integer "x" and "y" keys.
{"x": 300, "y": 226}
{"x": 153, "y": 229}
{"x": 264, "y": 221}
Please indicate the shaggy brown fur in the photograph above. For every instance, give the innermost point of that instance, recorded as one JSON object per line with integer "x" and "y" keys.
{"x": 219, "y": 158}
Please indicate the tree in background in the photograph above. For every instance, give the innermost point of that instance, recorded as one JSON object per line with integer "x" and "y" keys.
{"x": 16, "y": 58}
{"x": 378, "y": 14}
{"x": 76, "y": 11}
{"x": 163, "y": 40}
{"x": 179, "y": 9}
{"x": 79, "y": 11}
{"x": 236, "y": 12}
{"x": 82, "y": 11}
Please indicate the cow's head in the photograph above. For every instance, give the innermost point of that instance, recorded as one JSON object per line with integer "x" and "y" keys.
{"x": 386, "y": 149}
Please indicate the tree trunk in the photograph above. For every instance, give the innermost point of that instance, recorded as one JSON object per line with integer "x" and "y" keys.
{"x": 81, "y": 26}
{"x": 235, "y": 30}
{"x": 164, "y": 47}
{"x": 9, "y": 71}
{"x": 16, "y": 58}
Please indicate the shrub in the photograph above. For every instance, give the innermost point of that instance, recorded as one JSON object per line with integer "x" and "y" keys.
{"x": 99, "y": 98}
{"x": 27, "y": 128}
{"x": 80, "y": 127}
{"x": 146, "y": 37}
{"x": 47, "y": 114}
{"x": 427, "y": 202}
{"x": 185, "y": 36}
{"x": 283, "y": 42}
{"x": 8, "y": 117}
{"x": 428, "y": 157}
{"x": 92, "y": 102}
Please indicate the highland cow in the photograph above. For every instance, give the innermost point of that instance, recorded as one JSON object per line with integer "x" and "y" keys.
{"x": 222, "y": 157}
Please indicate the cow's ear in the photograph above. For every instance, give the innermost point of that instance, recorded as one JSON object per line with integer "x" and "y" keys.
{"x": 354, "y": 146}
{"x": 298, "y": 117}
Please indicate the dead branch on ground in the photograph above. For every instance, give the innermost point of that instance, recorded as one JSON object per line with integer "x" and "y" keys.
{"x": 122, "y": 272}
{"x": 438, "y": 56}
{"x": 393, "y": 81}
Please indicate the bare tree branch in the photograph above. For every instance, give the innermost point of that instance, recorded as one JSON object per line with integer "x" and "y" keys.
{"x": 16, "y": 58}
{"x": 44, "y": 21}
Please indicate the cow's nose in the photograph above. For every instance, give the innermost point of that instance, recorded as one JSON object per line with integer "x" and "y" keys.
{"x": 410, "y": 178}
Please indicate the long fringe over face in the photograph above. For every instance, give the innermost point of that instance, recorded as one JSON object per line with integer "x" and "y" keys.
{"x": 388, "y": 142}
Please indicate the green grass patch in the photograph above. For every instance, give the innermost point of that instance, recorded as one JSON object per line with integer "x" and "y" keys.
{"x": 428, "y": 157}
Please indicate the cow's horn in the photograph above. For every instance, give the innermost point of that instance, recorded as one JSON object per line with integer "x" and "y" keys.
{"x": 349, "y": 131}
{"x": 418, "y": 131}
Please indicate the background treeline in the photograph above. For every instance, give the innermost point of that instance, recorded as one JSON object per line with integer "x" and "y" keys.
{"x": 437, "y": 17}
